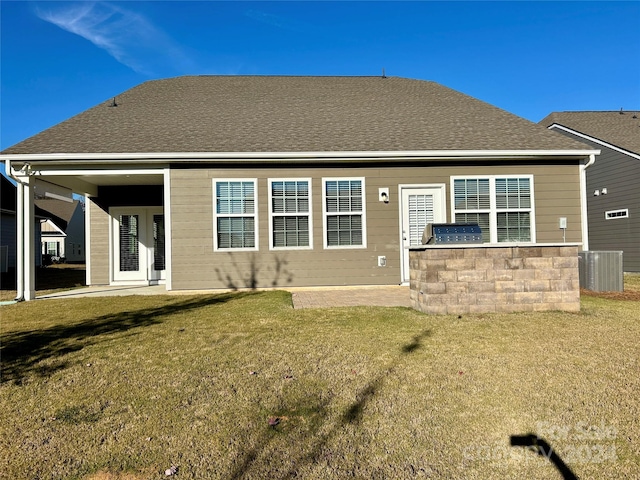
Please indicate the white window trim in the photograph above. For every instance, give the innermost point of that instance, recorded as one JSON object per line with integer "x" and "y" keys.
{"x": 493, "y": 210}
{"x": 325, "y": 213}
{"x": 254, "y": 214}
{"x": 624, "y": 211}
{"x": 309, "y": 214}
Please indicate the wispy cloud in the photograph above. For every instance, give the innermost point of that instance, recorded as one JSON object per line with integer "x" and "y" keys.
{"x": 280, "y": 22}
{"x": 125, "y": 35}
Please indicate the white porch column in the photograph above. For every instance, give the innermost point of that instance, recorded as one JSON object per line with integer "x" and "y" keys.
{"x": 20, "y": 241}
{"x": 168, "y": 233}
{"x": 29, "y": 240}
{"x": 87, "y": 238}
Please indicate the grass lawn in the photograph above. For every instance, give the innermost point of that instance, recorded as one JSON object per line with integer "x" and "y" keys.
{"x": 124, "y": 388}
{"x": 54, "y": 278}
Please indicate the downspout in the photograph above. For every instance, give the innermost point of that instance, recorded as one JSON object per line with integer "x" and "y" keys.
{"x": 583, "y": 201}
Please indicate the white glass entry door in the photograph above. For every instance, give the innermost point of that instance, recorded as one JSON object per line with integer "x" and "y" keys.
{"x": 420, "y": 205}
{"x": 137, "y": 245}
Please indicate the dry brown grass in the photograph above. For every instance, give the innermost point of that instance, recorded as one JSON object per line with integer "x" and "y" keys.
{"x": 54, "y": 278}
{"x": 631, "y": 290}
{"x": 119, "y": 476}
{"x": 133, "y": 385}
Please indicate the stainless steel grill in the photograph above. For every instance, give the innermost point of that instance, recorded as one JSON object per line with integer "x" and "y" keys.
{"x": 444, "y": 233}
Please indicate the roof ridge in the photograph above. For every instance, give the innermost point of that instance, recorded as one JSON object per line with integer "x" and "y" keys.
{"x": 594, "y": 111}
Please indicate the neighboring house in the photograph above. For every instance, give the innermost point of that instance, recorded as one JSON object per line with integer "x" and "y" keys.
{"x": 8, "y": 227}
{"x": 613, "y": 195}
{"x": 63, "y": 231}
{"x": 246, "y": 181}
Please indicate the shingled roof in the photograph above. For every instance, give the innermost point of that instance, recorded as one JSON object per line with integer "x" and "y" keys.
{"x": 618, "y": 128}
{"x": 291, "y": 114}
{"x": 58, "y": 211}
{"x": 8, "y": 199}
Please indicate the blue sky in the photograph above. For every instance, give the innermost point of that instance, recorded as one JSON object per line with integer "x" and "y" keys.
{"x": 530, "y": 58}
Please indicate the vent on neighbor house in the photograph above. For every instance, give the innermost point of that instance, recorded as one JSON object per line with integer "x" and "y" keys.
{"x": 601, "y": 271}
{"x": 612, "y": 214}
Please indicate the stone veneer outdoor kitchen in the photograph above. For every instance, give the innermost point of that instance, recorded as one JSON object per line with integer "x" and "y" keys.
{"x": 482, "y": 278}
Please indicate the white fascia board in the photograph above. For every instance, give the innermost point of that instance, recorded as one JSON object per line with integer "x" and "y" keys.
{"x": 593, "y": 139}
{"x": 178, "y": 157}
{"x": 121, "y": 171}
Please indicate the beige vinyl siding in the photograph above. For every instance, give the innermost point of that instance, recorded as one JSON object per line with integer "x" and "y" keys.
{"x": 48, "y": 227}
{"x": 99, "y": 229}
{"x": 195, "y": 265}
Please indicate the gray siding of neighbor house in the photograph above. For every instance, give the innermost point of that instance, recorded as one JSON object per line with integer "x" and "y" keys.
{"x": 195, "y": 265}
{"x": 9, "y": 235}
{"x": 75, "y": 241}
{"x": 620, "y": 175}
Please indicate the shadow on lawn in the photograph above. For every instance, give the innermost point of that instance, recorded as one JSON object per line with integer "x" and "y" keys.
{"x": 22, "y": 351}
{"x": 317, "y": 411}
{"x": 541, "y": 447}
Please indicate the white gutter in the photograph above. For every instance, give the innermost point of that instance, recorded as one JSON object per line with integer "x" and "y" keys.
{"x": 154, "y": 157}
{"x": 583, "y": 201}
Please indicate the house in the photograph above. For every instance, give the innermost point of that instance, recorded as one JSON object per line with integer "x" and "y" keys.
{"x": 205, "y": 182}
{"x": 9, "y": 230}
{"x": 613, "y": 196}
{"x": 63, "y": 230}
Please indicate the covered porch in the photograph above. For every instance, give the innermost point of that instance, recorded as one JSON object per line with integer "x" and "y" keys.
{"x": 126, "y": 217}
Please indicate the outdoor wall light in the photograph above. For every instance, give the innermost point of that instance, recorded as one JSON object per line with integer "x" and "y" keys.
{"x": 604, "y": 191}
{"x": 383, "y": 194}
{"x": 596, "y": 193}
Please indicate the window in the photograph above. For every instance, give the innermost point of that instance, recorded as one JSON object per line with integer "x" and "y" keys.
{"x": 235, "y": 214}
{"x": 612, "y": 214}
{"x": 344, "y": 213}
{"x": 129, "y": 243}
{"x": 51, "y": 248}
{"x": 501, "y": 206}
{"x": 290, "y": 213}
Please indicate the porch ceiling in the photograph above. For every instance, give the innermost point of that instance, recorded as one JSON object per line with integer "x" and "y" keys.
{"x": 88, "y": 183}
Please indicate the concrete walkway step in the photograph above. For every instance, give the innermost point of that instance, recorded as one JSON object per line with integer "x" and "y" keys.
{"x": 317, "y": 297}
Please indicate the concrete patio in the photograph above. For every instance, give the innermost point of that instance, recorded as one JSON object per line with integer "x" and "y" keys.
{"x": 317, "y": 297}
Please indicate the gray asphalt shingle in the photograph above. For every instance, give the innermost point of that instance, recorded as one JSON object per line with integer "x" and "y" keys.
{"x": 291, "y": 114}
{"x": 613, "y": 127}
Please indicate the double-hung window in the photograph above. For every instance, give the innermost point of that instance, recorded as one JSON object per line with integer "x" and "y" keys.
{"x": 52, "y": 248}
{"x": 502, "y": 206}
{"x": 290, "y": 214}
{"x": 344, "y": 213}
{"x": 235, "y": 214}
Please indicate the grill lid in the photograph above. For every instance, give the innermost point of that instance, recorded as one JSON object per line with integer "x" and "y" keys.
{"x": 439, "y": 233}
